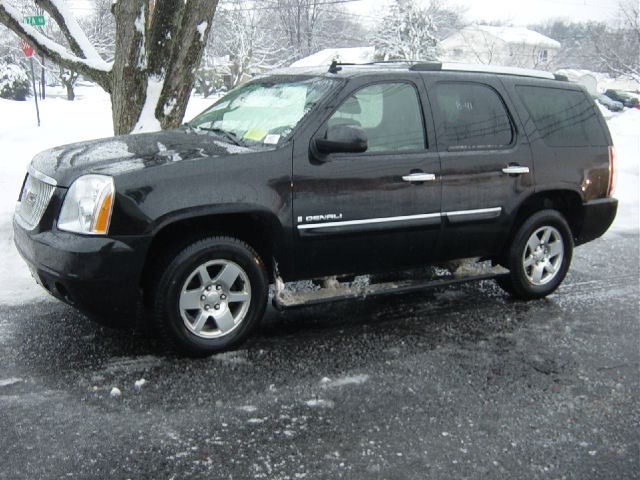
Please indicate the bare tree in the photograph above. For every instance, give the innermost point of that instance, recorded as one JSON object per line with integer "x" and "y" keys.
{"x": 158, "y": 46}
{"x": 303, "y": 27}
{"x": 245, "y": 36}
{"x": 300, "y": 23}
{"x": 100, "y": 28}
{"x": 618, "y": 48}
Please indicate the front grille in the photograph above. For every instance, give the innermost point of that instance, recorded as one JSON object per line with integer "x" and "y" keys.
{"x": 34, "y": 199}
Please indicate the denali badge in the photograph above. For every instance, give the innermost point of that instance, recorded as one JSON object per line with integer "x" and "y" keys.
{"x": 320, "y": 218}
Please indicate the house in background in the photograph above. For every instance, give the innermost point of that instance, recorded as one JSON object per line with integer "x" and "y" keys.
{"x": 508, "y": 46}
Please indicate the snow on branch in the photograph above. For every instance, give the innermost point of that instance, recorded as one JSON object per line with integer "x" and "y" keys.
{"x": 94, "y": 68}
{"x": 78, "y": 41}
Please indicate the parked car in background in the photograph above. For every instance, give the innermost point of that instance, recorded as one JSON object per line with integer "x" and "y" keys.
{"x": 607, "y": 102}
{"x": 626, "y": 98}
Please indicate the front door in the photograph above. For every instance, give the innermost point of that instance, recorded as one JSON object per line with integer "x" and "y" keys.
{"x": 486, "y": 163}
{"x": 371, "y": 211}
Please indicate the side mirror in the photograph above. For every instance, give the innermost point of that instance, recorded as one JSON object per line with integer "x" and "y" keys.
{"x": 343, "y": 139}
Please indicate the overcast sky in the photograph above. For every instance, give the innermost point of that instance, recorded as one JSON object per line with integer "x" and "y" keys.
{"x": 518, "y": 12}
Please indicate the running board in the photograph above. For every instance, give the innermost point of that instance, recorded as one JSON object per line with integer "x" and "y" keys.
{"x": 284, "y": 299}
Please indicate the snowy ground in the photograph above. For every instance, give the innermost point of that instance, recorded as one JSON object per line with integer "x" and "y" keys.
{"x": 90, "y": 117}
{"x": 625, "y": 129}
{"x": 460, "y": 383}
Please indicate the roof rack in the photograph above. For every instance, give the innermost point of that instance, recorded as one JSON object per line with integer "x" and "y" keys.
{"x": 470, "y": 67}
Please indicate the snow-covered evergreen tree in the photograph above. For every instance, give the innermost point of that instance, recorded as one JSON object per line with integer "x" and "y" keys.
{"x": 410, "y": 31}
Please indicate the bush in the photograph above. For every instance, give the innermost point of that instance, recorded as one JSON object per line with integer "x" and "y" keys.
{"x": 14, "y": 82}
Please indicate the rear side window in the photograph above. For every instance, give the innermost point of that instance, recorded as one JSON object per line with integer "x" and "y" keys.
{"x": 563, "y": 118}
{"x": 471, "y": 116}
{"x": 389, "y": 113}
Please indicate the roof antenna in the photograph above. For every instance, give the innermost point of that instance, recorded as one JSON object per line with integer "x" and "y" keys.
{"x": 334, "y": 68}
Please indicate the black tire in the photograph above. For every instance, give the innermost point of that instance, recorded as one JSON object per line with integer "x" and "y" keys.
{"x": 518, "y": 282}
{"x": 172, "y": 320}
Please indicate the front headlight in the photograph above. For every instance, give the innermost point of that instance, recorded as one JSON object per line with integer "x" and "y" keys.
{"x": 87, "y": 206}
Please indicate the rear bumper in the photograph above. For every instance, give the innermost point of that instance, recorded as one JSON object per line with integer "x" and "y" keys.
{"x": 99, "y": 276}
{"x": 598, "y": 217}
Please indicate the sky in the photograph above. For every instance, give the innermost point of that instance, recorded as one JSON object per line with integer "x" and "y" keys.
{"x": 517, "y": 12}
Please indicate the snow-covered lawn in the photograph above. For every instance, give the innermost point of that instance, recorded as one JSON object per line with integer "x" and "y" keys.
{"x": 625, "y": 129}
{"x": 90, "y": 117}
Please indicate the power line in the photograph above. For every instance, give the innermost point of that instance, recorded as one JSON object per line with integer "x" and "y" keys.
{"x": 273, "y": 6}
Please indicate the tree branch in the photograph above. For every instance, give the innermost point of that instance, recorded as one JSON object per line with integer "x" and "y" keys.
{"x": 99, "y": 71}
{"x": 78, "y": 41}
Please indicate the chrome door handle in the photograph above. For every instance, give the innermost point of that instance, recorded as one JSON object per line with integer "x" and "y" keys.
{"x": 419, "y": 177}
{"x": 515, "y": 170}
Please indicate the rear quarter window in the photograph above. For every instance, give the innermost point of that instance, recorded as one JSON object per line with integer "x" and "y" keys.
{"x": 563, "y": 118}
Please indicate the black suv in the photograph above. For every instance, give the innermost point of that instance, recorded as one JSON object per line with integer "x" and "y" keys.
{"x": 307, "y": 174}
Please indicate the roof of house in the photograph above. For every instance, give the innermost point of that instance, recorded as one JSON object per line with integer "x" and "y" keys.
{"x": 344, "y": 55}
{"x": 516, "y": 35}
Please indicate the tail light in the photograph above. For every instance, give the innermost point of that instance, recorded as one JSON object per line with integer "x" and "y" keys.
{"x": 612, "y": 176}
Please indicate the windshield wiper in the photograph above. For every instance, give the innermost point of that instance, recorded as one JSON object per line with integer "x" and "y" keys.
{"x": 232, "y": 137}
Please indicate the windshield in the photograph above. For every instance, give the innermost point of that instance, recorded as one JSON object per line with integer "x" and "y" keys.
{"x": 262, "y": 112}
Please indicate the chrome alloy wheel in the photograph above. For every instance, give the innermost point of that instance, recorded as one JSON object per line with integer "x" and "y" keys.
{"x": 215, "y": 299}
{"x": 542, "y": 256}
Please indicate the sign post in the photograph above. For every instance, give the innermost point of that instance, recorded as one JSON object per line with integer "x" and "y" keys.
{"x": 28, "y": 52}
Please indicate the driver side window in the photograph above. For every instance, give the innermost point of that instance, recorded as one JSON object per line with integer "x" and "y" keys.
{"x": 390, "y": 115}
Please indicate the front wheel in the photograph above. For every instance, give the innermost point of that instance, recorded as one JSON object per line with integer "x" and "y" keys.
{"x": 539, "y": 256}
{"x": 211, "y": 296}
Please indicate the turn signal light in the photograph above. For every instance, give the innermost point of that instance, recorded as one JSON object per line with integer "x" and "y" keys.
{"x": 104, "y": 213}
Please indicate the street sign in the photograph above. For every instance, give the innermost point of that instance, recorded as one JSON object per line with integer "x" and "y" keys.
{"x": 35, "y": 20}
{"x": 26, "y": 48}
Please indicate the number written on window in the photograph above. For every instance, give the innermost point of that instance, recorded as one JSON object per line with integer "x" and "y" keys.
{"x": 470, "y": 116}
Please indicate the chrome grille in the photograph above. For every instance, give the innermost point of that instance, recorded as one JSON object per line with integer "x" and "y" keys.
{"x": 34, "y": 199}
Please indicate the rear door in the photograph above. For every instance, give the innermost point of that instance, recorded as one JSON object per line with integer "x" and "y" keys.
{"x": 362, "y": 212}
{"x": 485, "y": 159}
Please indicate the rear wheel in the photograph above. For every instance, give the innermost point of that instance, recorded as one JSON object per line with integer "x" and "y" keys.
{"x": 539, "y": 256}
{"x": 211, "y": 295}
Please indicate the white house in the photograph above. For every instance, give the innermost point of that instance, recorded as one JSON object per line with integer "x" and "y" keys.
{"x": 509, "y": 46}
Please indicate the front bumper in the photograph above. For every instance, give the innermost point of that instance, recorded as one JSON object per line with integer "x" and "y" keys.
{"x": 598, "y": 215}
{"x": 99, "y": 276}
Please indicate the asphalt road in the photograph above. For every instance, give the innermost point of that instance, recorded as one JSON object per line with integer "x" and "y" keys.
{"x": 455, "y": 383}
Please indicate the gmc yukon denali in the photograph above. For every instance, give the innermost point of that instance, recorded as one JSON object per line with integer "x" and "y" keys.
{"x": 340, "y": 174}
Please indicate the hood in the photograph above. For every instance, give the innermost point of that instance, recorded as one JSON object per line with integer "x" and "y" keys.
{"x": 119, "y": 155}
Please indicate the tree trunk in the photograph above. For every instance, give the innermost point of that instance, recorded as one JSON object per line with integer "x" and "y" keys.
{"x": 129, "y": 78}
{"x": 156, "y": 60}
{"x": 71, "y": 95}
